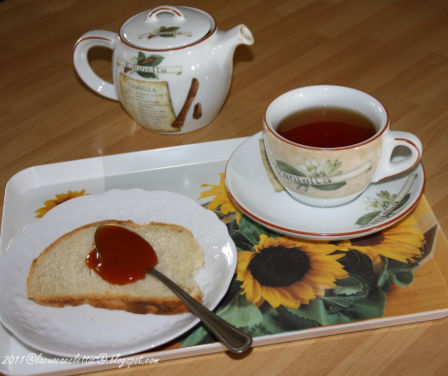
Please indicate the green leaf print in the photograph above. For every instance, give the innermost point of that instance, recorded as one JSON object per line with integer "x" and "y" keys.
{"x": 329, "y": 187}
{"x": 289, "y": 169}
{"x": 168, "y": 32}
{"x": 241, "y": 313}
{"x": 283, "y": 166}
{"x": 367, "y": 218}
{"x": 148, "y": 61}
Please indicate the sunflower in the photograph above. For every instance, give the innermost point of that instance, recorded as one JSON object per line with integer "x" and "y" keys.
{"x": 221, "y": 200}
{"x": 288, "y": 272}
{"x": 59, "y": 199}
{"x": 401, "y": 242}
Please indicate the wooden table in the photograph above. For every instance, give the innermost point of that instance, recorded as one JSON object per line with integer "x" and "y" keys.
{"x": 396, "y": 50}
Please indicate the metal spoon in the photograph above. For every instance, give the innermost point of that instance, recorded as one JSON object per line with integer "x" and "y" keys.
{"x": 233, "y": 338}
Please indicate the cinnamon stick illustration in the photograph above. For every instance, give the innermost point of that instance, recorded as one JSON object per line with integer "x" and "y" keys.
{"x": 197, "y": 111}
{"x": 180, "y": 119}
{"x": 148, "y": 60}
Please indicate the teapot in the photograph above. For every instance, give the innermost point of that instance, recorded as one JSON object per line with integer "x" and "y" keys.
{"x": 172, "y": 66}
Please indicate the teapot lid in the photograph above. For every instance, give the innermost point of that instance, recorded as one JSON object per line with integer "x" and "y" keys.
{"x": 167, "y": 27}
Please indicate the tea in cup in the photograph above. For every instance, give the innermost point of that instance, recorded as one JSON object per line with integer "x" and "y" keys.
{"x": 327, "y": 143}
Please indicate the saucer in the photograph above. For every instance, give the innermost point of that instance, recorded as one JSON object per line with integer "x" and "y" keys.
{"x": 378, "y": 207}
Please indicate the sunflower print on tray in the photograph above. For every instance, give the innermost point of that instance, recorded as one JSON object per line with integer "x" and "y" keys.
{"x": 287, "y": 284}
{"x": 221, "y": 202}
{"x": 58, "y": 199}
{"x": 287, "y": 272}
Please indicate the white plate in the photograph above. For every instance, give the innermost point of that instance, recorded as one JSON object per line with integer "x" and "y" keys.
{"x": 89, "y": 331}
{"x": 251, "y": 190}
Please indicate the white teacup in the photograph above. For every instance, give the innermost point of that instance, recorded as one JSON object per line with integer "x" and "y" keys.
{"x": 331, "y": 176}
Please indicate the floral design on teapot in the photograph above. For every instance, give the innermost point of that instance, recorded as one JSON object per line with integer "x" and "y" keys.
{"x": 144, "y": 66}
{"x": 148, "y": 66}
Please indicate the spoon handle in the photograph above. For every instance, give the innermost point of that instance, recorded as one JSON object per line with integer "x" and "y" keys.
{"x": 234, "y": 339}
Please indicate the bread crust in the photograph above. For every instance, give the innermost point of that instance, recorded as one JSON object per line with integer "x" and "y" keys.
{"x": 156, "y": 306}
{"x": 114, "y": 301}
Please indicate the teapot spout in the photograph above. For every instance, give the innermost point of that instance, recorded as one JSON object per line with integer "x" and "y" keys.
{"x": 229, "y": 40}
{"x": 234, "y": 37}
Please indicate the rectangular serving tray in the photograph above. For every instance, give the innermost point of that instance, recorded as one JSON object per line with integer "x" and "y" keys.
{"x": 183, "y": 169}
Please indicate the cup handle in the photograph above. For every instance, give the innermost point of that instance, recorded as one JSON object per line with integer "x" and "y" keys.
{"x": 88, "y": 40}
{"x": 388, "y": 167}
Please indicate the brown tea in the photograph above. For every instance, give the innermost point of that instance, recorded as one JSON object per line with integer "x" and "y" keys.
{"x": 326, "y": 127}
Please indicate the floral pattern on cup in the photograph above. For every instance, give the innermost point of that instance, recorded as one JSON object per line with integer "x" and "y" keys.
{"x": 326, "y": 176}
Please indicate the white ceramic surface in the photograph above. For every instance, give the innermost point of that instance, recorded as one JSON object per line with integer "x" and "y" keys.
{"x": 85, "y": 330}
{"x": 248, "y": 184}
{"x": 172, "y": 66}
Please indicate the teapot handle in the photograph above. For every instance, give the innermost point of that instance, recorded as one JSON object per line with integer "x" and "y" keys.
{"x": 88, "y": 40}
{"x": 152, "y": 16}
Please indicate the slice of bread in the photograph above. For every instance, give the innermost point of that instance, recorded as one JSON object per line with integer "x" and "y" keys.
{"x": 60, "y": 276}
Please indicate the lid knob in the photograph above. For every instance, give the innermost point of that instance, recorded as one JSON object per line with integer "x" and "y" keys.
{"x": 152, "y": 16}
{"x": 167, "y": 27}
